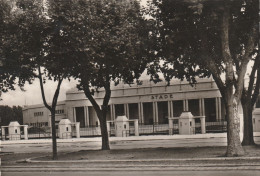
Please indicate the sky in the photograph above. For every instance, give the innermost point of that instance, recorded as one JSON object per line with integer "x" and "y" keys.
{"x": 32, "y": 93}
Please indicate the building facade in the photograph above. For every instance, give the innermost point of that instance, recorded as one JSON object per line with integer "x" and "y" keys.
{"x": 149, "y": 103}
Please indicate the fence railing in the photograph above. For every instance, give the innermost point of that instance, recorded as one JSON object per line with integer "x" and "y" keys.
{"x": 88, "y": 132}
{"x": 216, "y": 127}
{"x": 154, "y": 129}
{"x": 212, "y": 127}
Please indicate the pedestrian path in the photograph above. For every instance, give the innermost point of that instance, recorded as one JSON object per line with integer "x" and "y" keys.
{"x": 130, "y": 138}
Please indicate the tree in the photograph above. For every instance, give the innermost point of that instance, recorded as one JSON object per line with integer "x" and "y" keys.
{"x": 203, "y": 38}
{"x": 36, "y": 30}
{"x": 248, "y": 100}
{"x": 106, "y": 41}
{"x": 8, "y": 114}
{"x": 11, "y": 66}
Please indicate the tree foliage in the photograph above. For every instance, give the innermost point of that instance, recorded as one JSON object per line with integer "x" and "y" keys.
{"x": 34, "y": 31}
{"x": 101, "y": 37}
{"x": 203, "y": 38}
{"x": 12, "y": 66}
{"x": 106, "y": 41}
{"x": 8, "y": 114}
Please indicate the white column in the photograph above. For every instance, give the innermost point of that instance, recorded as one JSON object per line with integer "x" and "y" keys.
{"x": 171, "y": 106}
{"x": 203, "y": 106}
{"x": 203, "y": 125}
{"x": 156, "y": 112}
{"x": 86, "y": 116}
{"x": 108, "y": 128}
{"x": 184, "y": 105}
{"x": 187, "y": 105}
{"x": 25, "y": 129}
{"x": 241, "y": 126}
{"x": 170, "y": 121}
{"x": 114, "y": 112}
{"x": 219, "y": 108}
{"x": 74, "y": 114}
{"x": 200, "y": 107}
{"x": 169, "y": 109}
{"x": 77, "y": 130}
{"x": 3, "y": 133}
{"x": 142, "y": 112}
{"x": 139, "y": 113}
{"x": 136, "y": 127}
{"x": 127, "y": 107}
{"x": 111, "y": 112}
{"x": 126, "y": 110}
{"x": 216, "y": 103}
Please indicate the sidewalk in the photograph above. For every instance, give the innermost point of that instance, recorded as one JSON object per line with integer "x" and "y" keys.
{"x": 130, "y": 138}
{"x": 151, "y": 150}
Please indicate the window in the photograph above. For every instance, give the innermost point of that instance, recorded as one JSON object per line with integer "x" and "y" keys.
{"x": 38, "y": 114}
{"x": 59, "y": 111}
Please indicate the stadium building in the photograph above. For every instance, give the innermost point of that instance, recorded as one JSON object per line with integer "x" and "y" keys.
{"x": 152, "y": 104}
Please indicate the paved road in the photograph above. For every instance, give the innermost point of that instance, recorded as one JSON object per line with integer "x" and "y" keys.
{"x": 142, "y": 173}
{"x": 64, "y": 170}
{"x": 70, "y": 147}
{"x": 76, "y": 146}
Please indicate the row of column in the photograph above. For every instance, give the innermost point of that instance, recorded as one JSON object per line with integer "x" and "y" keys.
{"x": 155, "y": 110}
{"x": 170, "y": 109}
{"x": 86, "y": 115}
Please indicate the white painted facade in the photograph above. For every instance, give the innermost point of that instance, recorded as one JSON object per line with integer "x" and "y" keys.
{"x": 149, "y": 103}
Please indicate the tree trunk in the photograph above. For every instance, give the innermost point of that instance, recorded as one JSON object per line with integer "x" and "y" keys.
{"x": 234, "y": 147}
{"x": 248, "y": 124}
{"x": 101, "y": 113}
{"x": 104, "y": 133}
{"x": 53, "y": 134}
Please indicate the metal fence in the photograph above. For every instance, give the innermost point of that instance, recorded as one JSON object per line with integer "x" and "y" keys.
{"x": 94, "y": 131}
{"x": 155, "y": 129}
{"x": 40, "y": 132}
{"x": 216, "y": 127}
{"x": 212, "y": 127}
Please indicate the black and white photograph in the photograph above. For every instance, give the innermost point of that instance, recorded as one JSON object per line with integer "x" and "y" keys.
{"x": 129, "y": 88}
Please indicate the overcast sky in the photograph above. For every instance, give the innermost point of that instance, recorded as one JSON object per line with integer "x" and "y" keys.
{"x": 32, "y": 93}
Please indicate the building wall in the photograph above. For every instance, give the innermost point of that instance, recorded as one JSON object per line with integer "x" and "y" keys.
{"x": 149, "y": 102}
{"x": 39, "y": 115}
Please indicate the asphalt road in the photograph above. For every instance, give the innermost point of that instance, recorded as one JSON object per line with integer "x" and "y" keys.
{"x": 142, "y": 173}
{"x": 76, "y": 146}
{"x": 114, "y": 171}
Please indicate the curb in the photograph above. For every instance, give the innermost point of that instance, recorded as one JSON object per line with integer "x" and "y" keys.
{"x": 135, "y": 168}
{"x": 112, "y": 139}
{"x": 130, "y": 138}
{"x": 30, "y": 160}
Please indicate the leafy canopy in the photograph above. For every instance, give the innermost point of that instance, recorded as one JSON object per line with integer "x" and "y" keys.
{"x": 105, "y": 40}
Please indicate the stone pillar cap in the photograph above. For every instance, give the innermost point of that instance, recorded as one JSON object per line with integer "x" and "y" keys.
{"x": 14, "y": 123}
{"x": 64, "y": 122}
{"x": 121, "y": 119}
{"x": 186, "y": 115}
